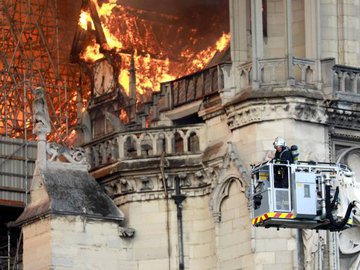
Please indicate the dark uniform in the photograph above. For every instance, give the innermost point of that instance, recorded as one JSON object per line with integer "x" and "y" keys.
{"x": 284, "y": 156}
{"x": 281, "y": 172}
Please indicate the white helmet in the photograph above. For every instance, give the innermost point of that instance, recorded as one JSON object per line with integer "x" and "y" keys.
{"x": 279, "y": 142}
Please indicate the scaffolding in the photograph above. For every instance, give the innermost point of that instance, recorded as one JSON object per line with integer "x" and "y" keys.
{"x": 32, "y": 54}
{"x": 31, "y": 57}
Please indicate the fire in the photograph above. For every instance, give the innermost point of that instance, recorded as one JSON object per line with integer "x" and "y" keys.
{"x": 155, "y": 60}
{"x": 92, "y": 52}
{"x": 223, "y": 42}
{"x": 85, "y": 20}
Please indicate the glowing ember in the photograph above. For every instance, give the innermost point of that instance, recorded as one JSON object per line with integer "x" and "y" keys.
{"x": 127, "y": 34}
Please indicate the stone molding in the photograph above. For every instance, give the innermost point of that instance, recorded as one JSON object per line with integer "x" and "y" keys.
{"x": 253, "y": 112}
{"x": 343, "y": 118}
{"x": 231, "y": 171}
{"x": 301, "y": 109}
{"x": 211, "y": 179}
{"x": 134, "y": 188}
{"x": 220, "y": 193}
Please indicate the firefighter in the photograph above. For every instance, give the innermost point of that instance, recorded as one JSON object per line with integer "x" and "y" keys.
{"x": 283, "y": 155}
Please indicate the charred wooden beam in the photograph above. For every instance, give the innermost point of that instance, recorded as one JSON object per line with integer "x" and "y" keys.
{"x": 78, "y": 44}
{"x": 99, "y": 32}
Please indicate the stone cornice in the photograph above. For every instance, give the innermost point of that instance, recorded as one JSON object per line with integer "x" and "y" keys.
{"x": 198, "y": 180}
{"x": 274, "y": 109}
{"x": 144, "y": 188}
{"x": 281, "y": 104}
{"x": 343, "y": 118}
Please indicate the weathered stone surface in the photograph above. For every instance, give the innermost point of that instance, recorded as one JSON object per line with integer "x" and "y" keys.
{"x": 71, "y": 193}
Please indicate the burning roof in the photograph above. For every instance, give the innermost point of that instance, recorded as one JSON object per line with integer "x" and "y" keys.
{"x": 168, "y": 39}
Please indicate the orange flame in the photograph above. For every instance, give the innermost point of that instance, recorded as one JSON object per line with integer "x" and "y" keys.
{"x": 151, "y": 69}
{"x": 92, "y": 52}
{"x": 85, "y": 20}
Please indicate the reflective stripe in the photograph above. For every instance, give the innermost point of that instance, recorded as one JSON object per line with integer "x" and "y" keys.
{"x": 272, "y": 215}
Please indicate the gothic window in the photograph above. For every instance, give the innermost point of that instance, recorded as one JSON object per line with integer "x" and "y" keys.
{"x": 234, "y": 215}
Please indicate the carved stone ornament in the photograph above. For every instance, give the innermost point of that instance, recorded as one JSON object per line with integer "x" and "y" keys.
{"x": 253, "y": 113}
{"x": 126, "y": 232}
{"x": 232, "y": 171}
{"x": 110, "y": 190}
{"x": 200, "y": 177}
{"x": 125, "y": 186}
{"x": 146, "y": 183}
{"x": 184, "y": 179}
{"x": 41, "y": 114}
{"x": 60, "y": 153}
{"x": 343, "y": 118}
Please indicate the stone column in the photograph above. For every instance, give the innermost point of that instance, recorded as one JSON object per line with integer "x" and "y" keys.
{"x": 239, "y": 46}
{"x": 313, "y": 36}
{"x": 288, "y": 39}
{"x": 41, "y": 151}
{"x": 238, "y": 30}
{"x": 257, "y": 40}
{"x": 340, "y": 32}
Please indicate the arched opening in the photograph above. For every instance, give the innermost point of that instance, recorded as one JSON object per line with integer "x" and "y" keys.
{"x": 234, "y": 227}
{"x": 178, "y": 143}
{"x": 114, "y": 150}
{"x": 130, "y": 147}
{"x": 243, "y": 79}
{"x": 160, "y": 144}
{"x": 347, "y": 82}
{"x": 309, "y": 75}
{"x": 146, "y": 146}
{"x": 193, "y": 143}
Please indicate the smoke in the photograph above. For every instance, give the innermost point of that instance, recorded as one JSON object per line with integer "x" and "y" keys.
{"x": 175, "y": 7}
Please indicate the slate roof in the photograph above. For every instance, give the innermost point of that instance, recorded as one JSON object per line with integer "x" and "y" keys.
{"x": 71, "y": 192}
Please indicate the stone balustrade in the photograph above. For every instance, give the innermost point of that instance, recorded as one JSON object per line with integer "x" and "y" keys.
{"x": 306, "y": 68}
{"x": 346, "y": 79}
{"x": 194, "y": 86}
{"x": 146, "y": 143}
{"x": 273, "y": 71}
{"x": 245, "y": 70}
